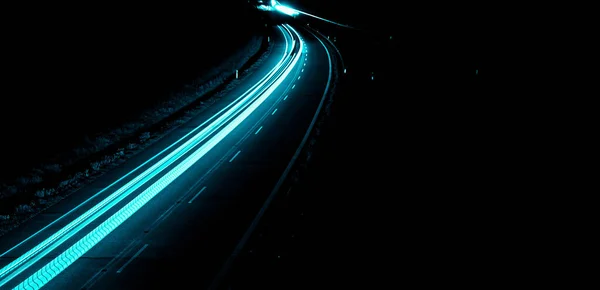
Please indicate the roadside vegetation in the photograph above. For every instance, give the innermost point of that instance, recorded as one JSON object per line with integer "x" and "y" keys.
{"x": 48, "y": 183}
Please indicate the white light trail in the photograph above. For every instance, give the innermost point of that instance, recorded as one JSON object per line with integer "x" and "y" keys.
{"x": 237, "y": 114}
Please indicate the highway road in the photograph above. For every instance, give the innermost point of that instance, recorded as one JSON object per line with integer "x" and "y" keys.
{"x": 172, "y": 215}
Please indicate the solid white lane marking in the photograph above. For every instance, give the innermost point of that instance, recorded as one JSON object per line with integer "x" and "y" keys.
{"x": 134, "y": 256}
{"x": 197, "y": 194}
{"x": 234, "y": 156}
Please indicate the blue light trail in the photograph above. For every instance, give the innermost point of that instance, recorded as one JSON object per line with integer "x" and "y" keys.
{"x": 212, "y": 134}
{"x": 275, "y": 5}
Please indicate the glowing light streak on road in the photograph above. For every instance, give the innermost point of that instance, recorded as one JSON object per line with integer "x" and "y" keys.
{"x": 265, "y": 8}
{"x": 294, "y": 12}
{"x": 321, "y": 18}
{"x": 286, "y": 10}
{"x": 276, "y": 6}
{"x": 249, "y": 91}
{"x": 336, "y": 49}
{"x": 61, "y": 262}
{"x": 105, "y": 205}
{"x": 51, "y": 243}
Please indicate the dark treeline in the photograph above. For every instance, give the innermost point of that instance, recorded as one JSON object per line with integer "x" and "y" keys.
{"x": 71, "y": 70}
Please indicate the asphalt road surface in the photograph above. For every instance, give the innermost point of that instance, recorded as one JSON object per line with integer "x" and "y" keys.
{"x": 182, "y": 236}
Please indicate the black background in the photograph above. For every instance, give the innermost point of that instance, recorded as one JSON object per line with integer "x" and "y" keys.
{"x": 71, "y": 70}
{"x": 413, "y": 158}
{"x": 410, "y": 186}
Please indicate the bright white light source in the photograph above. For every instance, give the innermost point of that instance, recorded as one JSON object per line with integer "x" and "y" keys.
{"x": 265, "y": 8}
{"x": 286, "y": 10}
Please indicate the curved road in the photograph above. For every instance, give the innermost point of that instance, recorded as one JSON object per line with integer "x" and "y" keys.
{"x": 172, "y": 215}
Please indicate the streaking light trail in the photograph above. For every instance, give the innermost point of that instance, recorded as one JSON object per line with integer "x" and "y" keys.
{"x": 321, "y": 18}
{"x": 212, "y": 134}
{"x": 49, "y": 244}
{"x": 286, "y": 10}
{"x": 275, "y": 6}
{"x": 243, "y": 96}
{"x": 294, "y": 12}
